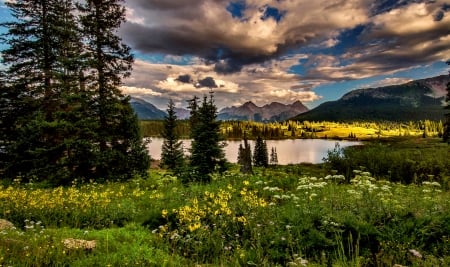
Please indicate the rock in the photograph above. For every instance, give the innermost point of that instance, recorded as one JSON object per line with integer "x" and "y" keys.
{"x": 72, "y": 243}
{"x": 6, "y": 225}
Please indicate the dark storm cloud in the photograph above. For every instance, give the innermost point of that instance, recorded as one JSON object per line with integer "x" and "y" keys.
{"x": 211, "y": 30}
{"x": 184, "y": 78}
{"x": 207, "y": 82}
{"x": 230, "y": 37}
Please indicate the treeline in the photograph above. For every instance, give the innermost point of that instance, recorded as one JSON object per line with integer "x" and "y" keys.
{"x": 62, "y": 115}
{"x": 306, "y": 129}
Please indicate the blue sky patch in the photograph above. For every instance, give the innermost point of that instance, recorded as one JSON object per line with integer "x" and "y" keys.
{"x": 236, "y": 9}
{"x": 271, "y": 12}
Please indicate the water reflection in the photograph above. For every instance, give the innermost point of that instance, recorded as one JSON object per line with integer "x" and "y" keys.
{"x": 290, "y": 151}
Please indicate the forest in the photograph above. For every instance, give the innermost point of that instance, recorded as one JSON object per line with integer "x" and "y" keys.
{"x": 305, "y": 129}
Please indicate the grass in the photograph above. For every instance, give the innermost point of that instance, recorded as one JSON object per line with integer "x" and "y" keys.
{"x": 296, "y": 215}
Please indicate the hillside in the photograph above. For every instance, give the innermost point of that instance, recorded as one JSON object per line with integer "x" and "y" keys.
{"x": 416, "y": 100}
{"x": 146, "y": 110}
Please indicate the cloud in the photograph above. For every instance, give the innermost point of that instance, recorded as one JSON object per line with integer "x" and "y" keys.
{"x": 261, "y": 84}
{"x": 397, "y": 34}
{"x": 279, "y": 50}
{"x": 264, "y": 30}
{"x": 388, "y": 82}
{"x": 186, "y": 78}
{"x": 206, "y": 82}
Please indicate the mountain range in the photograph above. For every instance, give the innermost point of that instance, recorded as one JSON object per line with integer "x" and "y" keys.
{"x": 271, "y": 112}
{"x": 248, "y": 111}
{"x": 415, "y": 100}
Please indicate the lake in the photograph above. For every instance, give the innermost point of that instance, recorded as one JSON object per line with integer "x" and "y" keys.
{"x": 290, "y": 151}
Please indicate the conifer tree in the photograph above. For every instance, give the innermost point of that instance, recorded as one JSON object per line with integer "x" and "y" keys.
{"x": 260, "y": 155}
{"x": 446, "y": 134}
{"x": 245, "y": 157}
{"x": 42, "y": 60}
{"x": 172, "y": 148}
{"x": 273, "y": 156}
{"x": 207, "y": 147}
{"x": 107, "y": 61}
{"x": 62, "y": 114}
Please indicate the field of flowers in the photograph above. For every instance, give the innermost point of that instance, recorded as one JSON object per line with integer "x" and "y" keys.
{"x": 285, "y": 216}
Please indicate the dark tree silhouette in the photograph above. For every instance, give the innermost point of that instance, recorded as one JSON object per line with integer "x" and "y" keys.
{"x": 260, "y": 155}
{"x": 273, "y": 156}
{"x": 446, "y": 134}
{"x": 207, "y": 143}
{"x": 62, "y": 113}
{"x": 172, "y": 156}
{"x": 245, "y": 157}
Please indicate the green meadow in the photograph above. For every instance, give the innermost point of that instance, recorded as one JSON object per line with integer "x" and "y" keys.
{"x": 348, "y": 211}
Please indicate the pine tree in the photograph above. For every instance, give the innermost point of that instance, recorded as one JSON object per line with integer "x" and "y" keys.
{"x": 245, "y": 157}
{"x": 172, "y": 148}
{"x": 59, "y": 120}
{"x": 42, "y": 61}
{"x": 273, "y": 157}
{"x": 106, "y": 62}
{"x": 207, "y": 147}
{"x": 260, "y": 155}
{"x": 446, "y": 134}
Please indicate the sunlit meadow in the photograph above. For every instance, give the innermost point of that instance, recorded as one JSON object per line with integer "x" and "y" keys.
{"x": 285, "y": 216}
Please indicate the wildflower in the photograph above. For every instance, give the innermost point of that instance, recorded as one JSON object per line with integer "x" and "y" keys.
{"x": 246, "y": 183}
{"x": 415, "y": 253}
{"x": 242, "y": 220}
{"x": 164, "y": 213}
{"x": 194, "y": 226}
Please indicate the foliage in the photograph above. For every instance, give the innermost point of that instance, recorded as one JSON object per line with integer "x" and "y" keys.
{"x": 273, "y": 156}
{"x": 276, "y": 217}
{"x": 245, "y": 157}
{"x": 401, "y": 161}
{"x": 356, "y": 130}
{"x": 172, "y": 156}
{"x": 260, "y": 155}
{"x": 62, "y": 114}
{"x": 206, "y": 148}
{"x": 109, "y": 61}
{"x": 446, "y": 135}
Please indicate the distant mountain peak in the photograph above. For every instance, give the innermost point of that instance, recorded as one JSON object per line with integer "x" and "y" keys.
{"x": 274, "y": 111}
{"x": 146, "y": 110}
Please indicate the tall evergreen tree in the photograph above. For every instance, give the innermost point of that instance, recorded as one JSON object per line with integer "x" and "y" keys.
{"x": 42, "y": 62}
{"x": 260, "y": 155}
{"x": 207, "y": 147}
{"x": 245, "y": 157}
{"x": 446, "y": 134}
{"x": 172, "y": 148}
{"x": 107, "y": 62}
{"x": 59, "y": 120}
{"x": 274, "y": 156}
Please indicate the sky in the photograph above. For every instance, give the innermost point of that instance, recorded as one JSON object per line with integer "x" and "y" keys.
{"x": 279, "y": 50}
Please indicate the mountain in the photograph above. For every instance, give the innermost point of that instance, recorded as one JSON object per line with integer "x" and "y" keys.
{"x": 272, "y": 112}
{"x": 415, "y": 100}
{"x": 146, "y": 110}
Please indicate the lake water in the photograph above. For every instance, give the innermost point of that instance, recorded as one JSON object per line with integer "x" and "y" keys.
{"x": 290, "y": 151}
